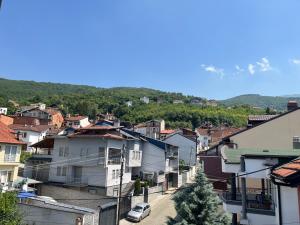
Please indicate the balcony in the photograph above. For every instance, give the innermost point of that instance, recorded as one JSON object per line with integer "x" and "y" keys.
{"x": 257, "y": 203}
{"x": 76, "y": 181}
{"x": 134, "y": 158}
{"x": 10, "y": 158}
{"x": 114, "y": 161}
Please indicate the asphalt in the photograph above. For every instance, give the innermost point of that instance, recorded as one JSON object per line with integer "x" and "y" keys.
{"x": 161, "y": 208}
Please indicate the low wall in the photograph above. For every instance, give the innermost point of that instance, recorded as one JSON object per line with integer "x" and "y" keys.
{"x": 153, "y": 193}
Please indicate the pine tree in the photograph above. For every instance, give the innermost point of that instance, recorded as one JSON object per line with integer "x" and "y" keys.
{"x": 197, "y": 204}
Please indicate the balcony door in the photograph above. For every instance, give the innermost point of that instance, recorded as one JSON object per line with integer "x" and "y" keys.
{"x": 77, "y": 174}
{"x": 10, "y": 153}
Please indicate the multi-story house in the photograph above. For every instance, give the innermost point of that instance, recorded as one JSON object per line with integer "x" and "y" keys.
{"x": 31, "y": 134}
{"x": 275, "y": 200}
{"x": 10, "y": 150}
{"x": 151, "y": 128}
{"x": 77, "y": 121}
{"x": 187, "y": 146}
{"x": 3, "y": 110}
{"x": 145, "y": 100}
{"x": 40, "y": 111}
{"x": 91, "y": 159}
{"x": 160, "y": 161}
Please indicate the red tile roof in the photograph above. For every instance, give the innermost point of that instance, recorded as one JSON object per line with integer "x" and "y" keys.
{"x": 287, "y": 169}
{"x": 167, "y": 131}
{"x": 218, "y": 133}
{"x": 75, "y": 118}
{"x": 7, "y": 135}
{"x": 260, "y": 117}
{"x": 35, "y": 128}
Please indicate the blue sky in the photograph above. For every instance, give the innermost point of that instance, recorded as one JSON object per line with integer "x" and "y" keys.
{"x": 215, "y": 49}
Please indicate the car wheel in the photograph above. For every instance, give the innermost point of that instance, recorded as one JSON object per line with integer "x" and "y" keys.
{"x": 140, "y": 219}
{"x": 149, "y": 213}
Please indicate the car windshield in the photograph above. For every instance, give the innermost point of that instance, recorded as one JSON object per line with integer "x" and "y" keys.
{"x": 138, "y": 209}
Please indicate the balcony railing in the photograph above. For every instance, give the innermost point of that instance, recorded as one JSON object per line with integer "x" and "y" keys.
{"x": 256, "y": 203}
{"x": 114, "y": 161}
{"x": 76, "y": 181}
{"x": 10, "y": 158}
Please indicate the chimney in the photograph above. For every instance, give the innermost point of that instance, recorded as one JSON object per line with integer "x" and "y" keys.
{"x": 292, "y": 105}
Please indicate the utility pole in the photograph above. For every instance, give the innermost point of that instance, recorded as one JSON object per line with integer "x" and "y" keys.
{"x": 120, "y": 187}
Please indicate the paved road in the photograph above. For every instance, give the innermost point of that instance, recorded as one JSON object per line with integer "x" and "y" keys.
{"x": 161, "y": 208}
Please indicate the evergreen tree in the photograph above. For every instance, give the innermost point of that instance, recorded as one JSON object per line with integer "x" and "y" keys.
{"x": 197, "y": 204}
{"x": 8, "y": 209}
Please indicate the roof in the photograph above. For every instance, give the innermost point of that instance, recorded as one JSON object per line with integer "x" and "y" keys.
{"x": 34, "y": 128}
{"x": 260, "y": 117}
{"x": 267, "y": 121}
{"x": 109, "y": 136}
{"x": 51, "y": 111}
{"x": 287, "y": 174}
{"x": 7, "y": 135}
{"x": 167, "y": 131}
{"x": 233, "y": 156}
{"x": 45, "y": 143}
{"x": 75, "y": 118}
{"x": 217, "y": 134}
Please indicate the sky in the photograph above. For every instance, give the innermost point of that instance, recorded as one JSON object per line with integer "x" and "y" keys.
{"x": 214, "y": 49}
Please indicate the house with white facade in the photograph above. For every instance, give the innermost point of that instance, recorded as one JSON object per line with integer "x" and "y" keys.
{"x": 151, "y": 128}
{"x": 145, "y": 99}
{"x": 90, "y": 158}
{"x": 31, "y": 134}
{"x": 129, "y": 103}
{"x": 77, "y": 121}
{"x": 160, "y": 161}
{"x": 187, "y": 147}
{"x": 255, "y": 197}
{"x": 3, "y": 110}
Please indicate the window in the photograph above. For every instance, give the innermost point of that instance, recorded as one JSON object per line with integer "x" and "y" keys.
{"x": 66, "y": 152}
{"x": 115, "y": 174}
{"x": 101, "y": 154}
{"x": 58, "y": 171}
{"x": 24, "y": 134}
{"x": 76, "y": 123}
{"x": 114, "y": 156}
{"x": 64, "y": 171}
{"x": 10, "y": 153}
{"x": 61, "y": 151}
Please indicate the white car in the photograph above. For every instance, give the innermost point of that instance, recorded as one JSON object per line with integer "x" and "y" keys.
{"x": 139, "y": 212}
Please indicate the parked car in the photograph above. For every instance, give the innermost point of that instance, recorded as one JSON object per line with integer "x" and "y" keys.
{"x": 139, "y": 212}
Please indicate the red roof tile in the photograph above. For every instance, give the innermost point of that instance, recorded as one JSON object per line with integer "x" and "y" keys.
{"x": 75, "y": 118}
{"x": 7, "y": 135}
{"x": 35, "y": 128}
{"x": 283, "y": 172}
{"x": 261, "y": 117}
{"x": 167, "y": 131}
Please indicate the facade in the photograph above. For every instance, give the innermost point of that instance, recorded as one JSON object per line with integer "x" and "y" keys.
{"x": 31, "y": 134}
{"x": 42, "y": 112}
{"x": 145, "y": 99}
{"x": 160, "y": 161}
{"x": 77, "y": 121}
{"x": 91, "y": 157}
{"x": 267, "y": 203}
{"x": 3, "y": 110}
{"x": 10, "y": 151}
{"x": 151, "y": 128}
{"x": 187, "y": 147}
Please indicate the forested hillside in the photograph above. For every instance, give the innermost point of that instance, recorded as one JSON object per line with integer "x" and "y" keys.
{"x": 89, "y": 100}
{"x": 278, "y": 103}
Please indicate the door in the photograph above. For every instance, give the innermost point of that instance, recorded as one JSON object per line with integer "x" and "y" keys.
{"x": 77, "y": 174}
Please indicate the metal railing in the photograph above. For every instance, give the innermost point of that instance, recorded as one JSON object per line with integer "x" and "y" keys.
{"x": 114, "y": 161}
{"x": 10, "y": 158}
{"x": 255, "y": 201}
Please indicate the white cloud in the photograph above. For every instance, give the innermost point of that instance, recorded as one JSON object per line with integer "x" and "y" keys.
{"x": 264, "y": 65}
{"x": 251, "y": 68}
{"x": 213, "y": 69}
{"x": 295, "y": 61}
{"x": 238, "y": 69}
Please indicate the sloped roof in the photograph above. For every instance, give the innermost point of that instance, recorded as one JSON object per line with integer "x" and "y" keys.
{"x": 7, "y": 135}
{"x": 260, "y": 117}
{"x": 34, "y": 128}
{"x": 287, "y": 170}
{"x": 75, "y": 118}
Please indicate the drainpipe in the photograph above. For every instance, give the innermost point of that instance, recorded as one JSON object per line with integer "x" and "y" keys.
{"x": 279, "y": 204}
{"x": 244, "y": 194}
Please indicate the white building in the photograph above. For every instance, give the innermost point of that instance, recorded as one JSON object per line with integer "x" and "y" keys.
{"x": 254, "y": 197}
{"x": 92, "y": 158}
{"x": 31, "y": 134}
{"x": 3, "y": 110}
{"x": 129, "y": 103}
{"x": 160, "y": 162}
{"x": 187, "y": 147}
{"x": 151, "y": 128}
{"x": 77, "y": 121}
{"x": 145, "y": 100}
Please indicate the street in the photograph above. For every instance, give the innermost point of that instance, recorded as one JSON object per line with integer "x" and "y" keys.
{"x": 161, "y": 209}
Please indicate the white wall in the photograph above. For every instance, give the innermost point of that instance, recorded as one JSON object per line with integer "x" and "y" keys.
{"x": 32, "y": 137}
{"x": 186, "y": 150}
{"x": 290, "y": 205}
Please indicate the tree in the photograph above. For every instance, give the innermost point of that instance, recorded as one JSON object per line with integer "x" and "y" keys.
{"x": 9, "y": 214}
{"x": 197, "y": 204}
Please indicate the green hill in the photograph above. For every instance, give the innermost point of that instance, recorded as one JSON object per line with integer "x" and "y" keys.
{"x": 278, "y": 103}
{"x": 88, "y": 100}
